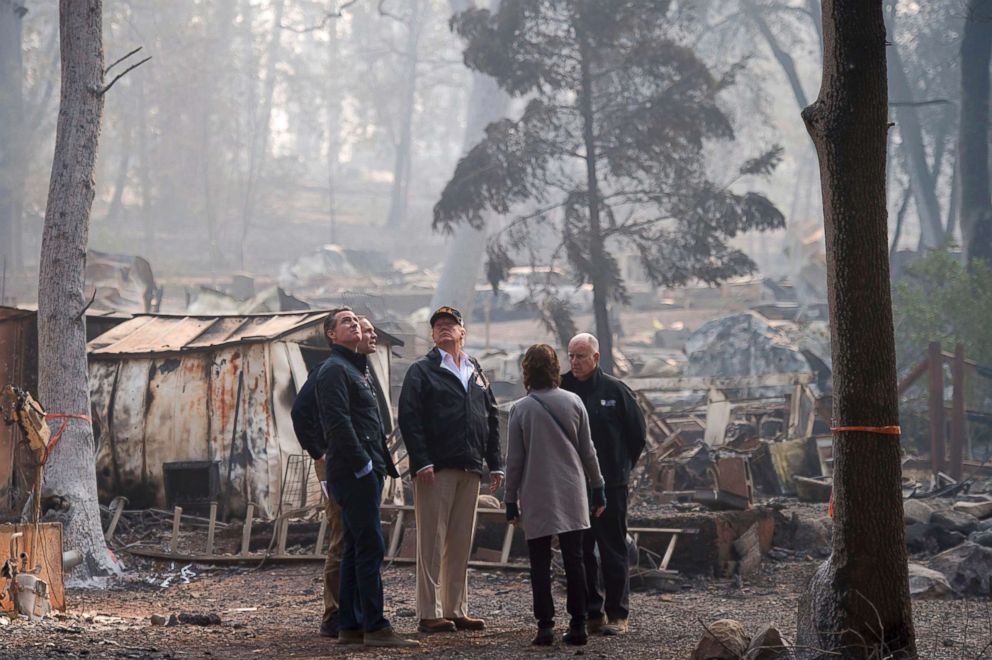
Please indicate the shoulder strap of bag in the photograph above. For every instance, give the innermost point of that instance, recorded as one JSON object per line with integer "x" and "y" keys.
{"x": 547, "y": 409}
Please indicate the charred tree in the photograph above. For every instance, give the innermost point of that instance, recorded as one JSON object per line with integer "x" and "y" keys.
{"x": 976, "y": 208}
{"x": 857, "y": 604}
{"x": 62, "y": 375}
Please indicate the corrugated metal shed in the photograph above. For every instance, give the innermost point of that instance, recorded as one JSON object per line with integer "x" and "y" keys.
{"x": 205, "y": 388}
{"x": 158, "y": 334}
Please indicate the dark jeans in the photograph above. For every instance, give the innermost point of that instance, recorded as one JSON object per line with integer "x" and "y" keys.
{"x": 360, "y": 598}
{"x": 540, "y": 577}
{"x": 609, "y": 534}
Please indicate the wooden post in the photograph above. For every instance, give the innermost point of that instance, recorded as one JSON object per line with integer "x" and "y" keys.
{"x": 935, "y": 368}
{"x": 246, "y": 530}
{"x": 321, "y": 532}
{"x": 211, "y": 528}
{"x": 117, "y": 507}
{"x": 177, "y": 515}
{"x": 957, "y": 412}
{"x": 394, "y": 537}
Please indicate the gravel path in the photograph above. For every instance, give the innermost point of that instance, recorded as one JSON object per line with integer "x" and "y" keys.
{"x": 273, "y": 613}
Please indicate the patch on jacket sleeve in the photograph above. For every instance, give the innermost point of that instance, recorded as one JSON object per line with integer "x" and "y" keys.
{"x": 608, "y": 403}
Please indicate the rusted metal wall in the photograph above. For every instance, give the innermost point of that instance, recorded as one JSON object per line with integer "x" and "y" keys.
{"x": 18, "y": 366}
{"x": 230, "y": 405}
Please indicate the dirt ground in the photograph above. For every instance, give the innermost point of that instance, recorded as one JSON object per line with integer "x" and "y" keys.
{"x": 274, "y": 613}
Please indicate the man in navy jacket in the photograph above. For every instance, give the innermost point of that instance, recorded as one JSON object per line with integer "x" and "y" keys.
{"x": 358, "y": 461}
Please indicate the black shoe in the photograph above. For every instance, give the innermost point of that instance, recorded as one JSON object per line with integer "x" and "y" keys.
{"x": 329, "y": 629}
{"x": 576, "y": 635}
{"x": 545, "y": 637}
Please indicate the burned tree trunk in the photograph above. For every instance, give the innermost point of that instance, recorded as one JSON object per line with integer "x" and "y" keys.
{"x": 597, "y": 248}
{"x": 857, "y": 604}
{"x": 976, "y": 209}
{"x": 62, "y": 374}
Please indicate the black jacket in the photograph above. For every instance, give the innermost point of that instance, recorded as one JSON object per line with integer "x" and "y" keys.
{"x": 349, "y": 417}
{"x": 442, "y": 424}
{"x": 615, "y": 421}
{"x": 306, "y": 417}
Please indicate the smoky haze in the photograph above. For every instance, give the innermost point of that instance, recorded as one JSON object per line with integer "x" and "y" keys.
{"x": 262, "y": 130}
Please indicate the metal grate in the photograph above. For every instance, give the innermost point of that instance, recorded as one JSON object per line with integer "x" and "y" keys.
{"x": 293, "y": 494}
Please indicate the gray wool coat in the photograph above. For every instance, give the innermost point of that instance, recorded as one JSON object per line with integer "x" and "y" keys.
{"x": 546, "y": 471}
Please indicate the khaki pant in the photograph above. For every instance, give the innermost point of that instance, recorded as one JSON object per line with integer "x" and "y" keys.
{"x": 335, "y": 546}
{"x": 445, "y": 512}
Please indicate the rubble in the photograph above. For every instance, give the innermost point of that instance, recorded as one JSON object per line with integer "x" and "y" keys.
{"x": 927, "y": 583}
{"x": 967, "y": 567}
{"x": 725, "y": 639}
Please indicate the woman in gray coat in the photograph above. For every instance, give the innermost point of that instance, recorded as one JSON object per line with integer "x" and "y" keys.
{"x": 550, "y": 465}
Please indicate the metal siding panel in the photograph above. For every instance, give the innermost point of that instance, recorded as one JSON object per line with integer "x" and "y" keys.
{"x": 262, "y": 461}
{"x": 225, "y": 372}
{"x": 129, "y": 435}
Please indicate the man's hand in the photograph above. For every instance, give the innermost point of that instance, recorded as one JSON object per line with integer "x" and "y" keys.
{"x": 495, "y": 481}
{"x": 426, "y": 476}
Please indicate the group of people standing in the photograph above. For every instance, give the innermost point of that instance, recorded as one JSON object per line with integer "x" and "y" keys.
{"x": 572, "y": 443}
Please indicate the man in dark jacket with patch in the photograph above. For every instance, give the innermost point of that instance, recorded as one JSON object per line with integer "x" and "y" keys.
{"x": 450, "y": 427}
{"x": 619, "y": 434}
{"x": 358, "y": 461}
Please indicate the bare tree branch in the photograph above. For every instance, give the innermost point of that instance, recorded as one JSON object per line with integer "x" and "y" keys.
{"x": 336, "y": 13}
{"x": 119, "y": 60}
{"x": 106, "y": 88}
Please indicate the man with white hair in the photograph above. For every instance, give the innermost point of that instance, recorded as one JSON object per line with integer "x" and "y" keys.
{"x": 619, "y": 434}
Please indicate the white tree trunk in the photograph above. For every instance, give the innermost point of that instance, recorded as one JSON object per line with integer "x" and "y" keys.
{"x": 464, "y": 256}
{"x": 12, "y": 161}
{"x": 62, "y": 375}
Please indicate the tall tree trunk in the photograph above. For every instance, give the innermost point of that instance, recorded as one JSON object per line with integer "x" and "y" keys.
{"x": 261, "y": 130}
{"x": 333, "y": 128}
{"x": 597, "y": 249}
{"x": 464, "y": 256}
{"x": 783, "y": 58}
{"x": 62, "y": 375}
{"x": 857, "y": 604}
{"x": 144, "y": 174}
{"x": 12, "y": 153}
{"x": 973, "y": 158}
{"x": 400, "y": 195}
{"x": 922, "y": 182}
{"x": 120, "y": 183}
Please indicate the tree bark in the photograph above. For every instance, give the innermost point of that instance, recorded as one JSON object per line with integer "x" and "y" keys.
{"x": 973, "y": 158}
{"x": 597, "y": 249}
{"x": 62, "y": 374}
{"x": 857, "y": 604}
{"x": 464, "y": 256}
{"x": 12, "y": 147}
{"x": 401, "y": 167}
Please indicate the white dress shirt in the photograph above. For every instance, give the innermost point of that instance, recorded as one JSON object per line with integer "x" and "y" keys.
{"x": 464, "y": 371}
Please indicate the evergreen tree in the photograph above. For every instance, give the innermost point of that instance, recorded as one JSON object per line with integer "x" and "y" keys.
{"x": 611, "y": 147}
